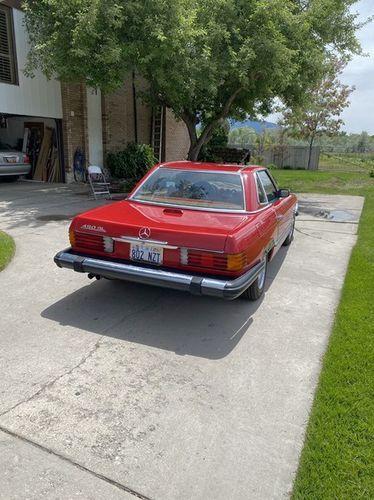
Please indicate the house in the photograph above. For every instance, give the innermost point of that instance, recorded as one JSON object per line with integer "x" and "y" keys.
{"x": 75, "y": 115}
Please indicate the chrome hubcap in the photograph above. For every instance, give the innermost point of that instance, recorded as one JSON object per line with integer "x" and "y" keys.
{"x": 261, "y": 278}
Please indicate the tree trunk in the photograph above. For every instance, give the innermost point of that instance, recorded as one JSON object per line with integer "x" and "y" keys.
{"x": 196, "y": 143}
{"x": 191, "y": 121}
{"x": 310, "y": 151}
{"x": 193, "y": 152}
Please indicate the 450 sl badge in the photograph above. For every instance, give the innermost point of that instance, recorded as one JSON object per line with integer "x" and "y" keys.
{"x": 90, "y": 227}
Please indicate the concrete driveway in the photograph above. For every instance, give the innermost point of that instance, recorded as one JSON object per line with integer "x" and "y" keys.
{"x": 116, "y": 390}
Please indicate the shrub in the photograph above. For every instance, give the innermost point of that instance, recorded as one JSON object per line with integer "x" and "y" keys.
{"x": 371, "y": 174}
{"x": 132, "y": 163}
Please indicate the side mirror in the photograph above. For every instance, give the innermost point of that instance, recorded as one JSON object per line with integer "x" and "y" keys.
{"x": 283, "y": 193}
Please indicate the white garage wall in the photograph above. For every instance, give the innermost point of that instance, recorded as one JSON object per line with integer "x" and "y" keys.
{"x": 94, "y": 127}
{"x": 33, "y": 96}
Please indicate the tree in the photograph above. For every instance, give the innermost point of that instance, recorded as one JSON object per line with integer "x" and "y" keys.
{"x": 204, "y": 59}
{"x": 363, "y": 143}
{"x": 320, "y": 115}
{"x": 242, "y": 136}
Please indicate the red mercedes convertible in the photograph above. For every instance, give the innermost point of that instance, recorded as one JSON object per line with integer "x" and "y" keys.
{"x": 200, "y": 227}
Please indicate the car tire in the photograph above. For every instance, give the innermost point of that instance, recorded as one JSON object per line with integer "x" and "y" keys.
{"x": 289, "y": 238}
{"x": 257, "y": 288}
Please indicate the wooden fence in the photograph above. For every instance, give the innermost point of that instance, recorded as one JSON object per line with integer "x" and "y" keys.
{"x": 285, "y": 156}
{"x": 292, "y": 157}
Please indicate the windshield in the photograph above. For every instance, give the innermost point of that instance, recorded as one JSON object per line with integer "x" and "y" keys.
{"x": 215, "y": 190}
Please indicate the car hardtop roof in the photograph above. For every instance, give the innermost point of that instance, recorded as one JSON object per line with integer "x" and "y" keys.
{"x": 197, "y": 165}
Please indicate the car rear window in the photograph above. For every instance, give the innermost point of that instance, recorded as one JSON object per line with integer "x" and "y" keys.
{"x": 200, "y": 189}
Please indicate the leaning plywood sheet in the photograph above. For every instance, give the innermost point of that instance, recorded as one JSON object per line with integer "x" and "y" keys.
{"x": 41, "y": 165}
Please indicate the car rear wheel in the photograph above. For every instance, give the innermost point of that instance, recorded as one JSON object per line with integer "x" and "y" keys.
{"x": 257, "y": 288}
{"x": 289, "y": 238}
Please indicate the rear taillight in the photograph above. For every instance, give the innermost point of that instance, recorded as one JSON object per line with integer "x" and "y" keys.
{"x": 72, "y": 237}
{"x": 87, "y": 241}
{"x": 236, "y": 261}
{"x": 26, "y": 159}
{"x": 213, "y": 260}
{"x": 108, "y": 244}
{"x": 91, "y": 241}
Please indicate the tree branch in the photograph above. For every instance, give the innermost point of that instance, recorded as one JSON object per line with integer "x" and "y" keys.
{"x": 227, "y": 106}
{"x": 191, "y": 121}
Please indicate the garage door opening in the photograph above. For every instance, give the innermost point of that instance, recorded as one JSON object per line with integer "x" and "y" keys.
{"x": 31, "y": 147}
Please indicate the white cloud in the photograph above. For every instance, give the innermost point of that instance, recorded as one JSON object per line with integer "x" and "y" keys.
{"x": 359, "y": 73}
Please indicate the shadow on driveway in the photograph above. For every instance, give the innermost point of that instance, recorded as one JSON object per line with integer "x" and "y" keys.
{"x": 165, "y": 319}
{"x": 35, "y": 204}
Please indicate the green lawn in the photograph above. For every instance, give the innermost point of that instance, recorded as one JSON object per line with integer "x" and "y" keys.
{"x": 7, "y": 248}
{"x": 337, "y": 461}
{"x": 354, "y": 162}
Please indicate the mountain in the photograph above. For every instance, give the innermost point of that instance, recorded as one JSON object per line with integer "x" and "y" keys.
{"x": 258, "y": 126}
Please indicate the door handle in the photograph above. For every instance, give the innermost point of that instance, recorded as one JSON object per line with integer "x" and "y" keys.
{"x": 280, "y": 217}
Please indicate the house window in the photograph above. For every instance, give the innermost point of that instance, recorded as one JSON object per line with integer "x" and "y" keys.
{"x": 8, "y": 68}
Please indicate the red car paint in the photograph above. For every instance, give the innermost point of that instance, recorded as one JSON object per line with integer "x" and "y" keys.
{"x": 210, "y": 235}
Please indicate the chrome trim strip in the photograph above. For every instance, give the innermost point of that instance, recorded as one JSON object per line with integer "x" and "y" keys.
{"x": 203, "y": 170}
{"x": 133, "y": 239}
{"x": 265, "y": 204}
{"x": 265, "y": 207}
{"x": 164, "y": 244}
{"x": 205, "y": 250}
{"x": 272, "y": 180}
{"x": 195, "y": 284}
{"x": 186, "y": 207}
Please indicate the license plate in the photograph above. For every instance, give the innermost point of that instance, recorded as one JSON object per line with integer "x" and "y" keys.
{"x": 144, "y": 252}
{"x": 11, "y": 159}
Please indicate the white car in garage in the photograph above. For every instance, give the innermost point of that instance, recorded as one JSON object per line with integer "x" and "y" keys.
{"x": 13, "y": 163}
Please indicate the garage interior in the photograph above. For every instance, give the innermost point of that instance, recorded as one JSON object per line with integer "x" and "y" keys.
{"x": 40, "y": 139}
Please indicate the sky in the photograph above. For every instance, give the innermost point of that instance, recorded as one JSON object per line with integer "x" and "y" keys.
{"x": 359, "y": 116}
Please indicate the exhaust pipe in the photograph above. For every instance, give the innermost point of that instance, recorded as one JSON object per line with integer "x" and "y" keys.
{"x": 91, "y": 276}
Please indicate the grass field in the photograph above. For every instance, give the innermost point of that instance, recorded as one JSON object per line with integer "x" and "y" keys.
{"x": 337, "y": 461}
{"x": 7, "y": 248}
{"x": 353, "y": 162}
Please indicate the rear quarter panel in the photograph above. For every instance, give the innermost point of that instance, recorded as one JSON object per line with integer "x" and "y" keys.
{"x": 255, "y": 237}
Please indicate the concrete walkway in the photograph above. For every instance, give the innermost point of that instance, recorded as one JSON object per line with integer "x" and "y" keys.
{"x": 116, "y": 390}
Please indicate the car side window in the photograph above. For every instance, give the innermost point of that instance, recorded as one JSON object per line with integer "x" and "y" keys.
{"x": 260, "y": 190}
{"x": 269, "y": 186}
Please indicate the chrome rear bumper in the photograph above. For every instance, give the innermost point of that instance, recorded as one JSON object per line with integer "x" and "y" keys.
{"x": 15, "y": 169}
{"x": 195, "y": 284}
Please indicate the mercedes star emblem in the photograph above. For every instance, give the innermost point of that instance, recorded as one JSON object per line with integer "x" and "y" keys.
{"x": 144, "y": 233}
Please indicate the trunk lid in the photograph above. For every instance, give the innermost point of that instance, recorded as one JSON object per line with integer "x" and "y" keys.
{"x": 176, "y": 226}
{"x": 11, "y": 157}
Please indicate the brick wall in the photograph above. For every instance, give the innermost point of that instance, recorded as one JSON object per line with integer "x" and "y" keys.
{"x": 74, "y": 122}
{"x": 177, "y": 141}
{"x": 118, "y": 117}
{"x": 117, "y": 123}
